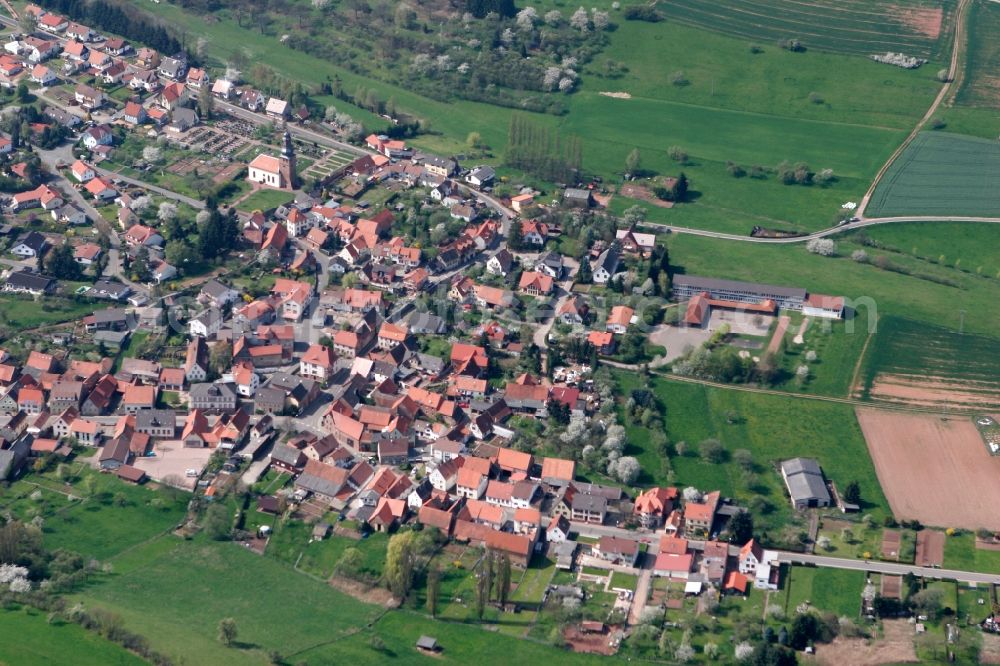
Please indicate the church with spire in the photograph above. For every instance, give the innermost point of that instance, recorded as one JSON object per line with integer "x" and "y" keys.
{"x": 276, "y": 172}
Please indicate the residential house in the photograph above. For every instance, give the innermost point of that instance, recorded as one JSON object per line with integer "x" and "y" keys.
{"x": 617, "y": 550}
{"x": 619, "y": 319}
{"x": 213, "y": 397}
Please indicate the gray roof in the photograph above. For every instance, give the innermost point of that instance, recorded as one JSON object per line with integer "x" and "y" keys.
{"x": 213, "y": 391}
{"x": 110, "y": 315}
{"x": 209, "y": 317}
{"x": 483, "y": 173}
{"x": 608, "y": 492}
{"x": 33, "y": 240}
{"x": 155, "y": 418}
{"x": 215, "y": 289}
{"x": 288, "y": 455}
{"x": 608, "y": 260}
{"x": 574, "y": 193}
{"x": 425, "y": 321}
{"x": 32, "y": 281}
{"x": 805, "y": 480}
{"x": 697, "y": 283}
{"x": 589, "y": 503}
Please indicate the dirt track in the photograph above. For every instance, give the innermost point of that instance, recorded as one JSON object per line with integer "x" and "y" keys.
{"x": 934, "y": 469}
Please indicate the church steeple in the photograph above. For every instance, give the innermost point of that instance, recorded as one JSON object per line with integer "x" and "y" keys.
{"x": 290, "y": 176}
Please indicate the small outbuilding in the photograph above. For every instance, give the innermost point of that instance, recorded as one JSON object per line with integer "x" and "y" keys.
{"x": 428, "y": 644}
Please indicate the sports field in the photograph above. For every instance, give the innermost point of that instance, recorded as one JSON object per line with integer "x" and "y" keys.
{"x": 921, "y": 364}
{"x": 841, "y": 26}
{"x": 941, "y": 174}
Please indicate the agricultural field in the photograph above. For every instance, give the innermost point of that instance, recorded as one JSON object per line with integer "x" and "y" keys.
{"x": 941, "y": 173}
{"x": 980, "y": 82}
{"x": 921, "y": 364}
{"x": 962, "y": 246}
{"x": 926, "y": 465}
{"x": 26, "y": 637}
{"x": 772, "y": 428}
{"x": 853, "y": 26}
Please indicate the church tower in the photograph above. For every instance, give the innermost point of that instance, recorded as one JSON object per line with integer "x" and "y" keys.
{"x": 289, "y": 177}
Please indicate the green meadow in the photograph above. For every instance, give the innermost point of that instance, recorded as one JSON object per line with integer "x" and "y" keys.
{"x": 26, "y": 638}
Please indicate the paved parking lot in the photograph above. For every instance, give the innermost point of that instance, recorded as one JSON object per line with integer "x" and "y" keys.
{"x": 171, "y": 461}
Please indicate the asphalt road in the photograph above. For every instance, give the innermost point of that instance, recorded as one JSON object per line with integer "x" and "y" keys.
{"x": 888, "y": 568}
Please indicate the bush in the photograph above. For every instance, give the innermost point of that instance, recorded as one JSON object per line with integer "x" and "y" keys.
{"x": 793, "y": 45}
{"x": 711, "y": 451}
{"x": 735, "y": 170}
{"x": 815, "y": 98}
{"x": 642, "y": 13}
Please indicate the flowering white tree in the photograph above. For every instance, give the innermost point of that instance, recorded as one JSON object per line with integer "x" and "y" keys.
{"x": 551, "y": 79}
{"x": 614, "y": 439}
{"x": 599, "y": 19}
{"x": 824, "y": 247}
{"x": 744, "y": 651}
{"x": 202, "y": 216}
{"x": 443, "y": 63}
{"x": 463, "y": 68}
{"x": 507, "y": 36}
{"x": 166, "y": 212}
{"x": 575, "y": 432}
{"x": 627, "y": 470}
{"x": 526, "y": 18}
{"x": 580, "y": 20}
{"x": 566, "y": 84}
{"x": 151, "y": 154}
{"x": 421, "y": 63}
{"x": 15, "y": 577}
{"x": 553, "y": 18}
{"x": 691, "y": 494}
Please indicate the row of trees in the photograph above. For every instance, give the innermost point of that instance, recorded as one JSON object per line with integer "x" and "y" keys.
{"x": 541, "y": 152}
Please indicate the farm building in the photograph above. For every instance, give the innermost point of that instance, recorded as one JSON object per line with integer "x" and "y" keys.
{"x": 805, "y": 483}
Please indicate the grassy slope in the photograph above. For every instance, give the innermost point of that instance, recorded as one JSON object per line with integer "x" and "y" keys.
{"x": 772, "y": 428}
{"x": 27, "y": 638}
{"x": 893, "y": 293}
{"x": 177, "y": 597}
{"x": 972, "y": 244}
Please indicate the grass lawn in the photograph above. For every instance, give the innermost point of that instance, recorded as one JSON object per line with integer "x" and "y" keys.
{"x": 533, "y": 582}
{"x": 24, "y": 313}
{"x": 320, "y": 557}
{"x": 265, "y": 199}
{"x": 835, "y": 590}
{"x": 960, "y": 552}
{"x": 26, "y": 637}
{"x": 179, "y": 595}
{"x": 624, "y": 581}
{"x": 962, "y": 246}
{"x": 940, "y": 173}
{"x": 773, "y": 428}
{"x": 116, "y": 517}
